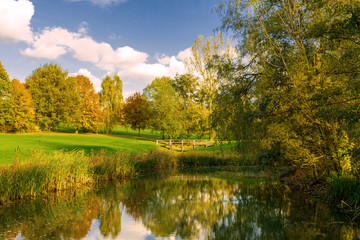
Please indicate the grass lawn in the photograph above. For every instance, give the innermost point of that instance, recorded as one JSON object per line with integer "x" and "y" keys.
{"x": 67, "y": 141}
{"x": 122, "y": 130}
{"x": 127, "y": 131}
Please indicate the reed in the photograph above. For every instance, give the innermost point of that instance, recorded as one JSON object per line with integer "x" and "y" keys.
{"x": 105, "y": 166}
{"x": 156, "y": 160}
{"x": 44, "y": 173}
{"x": 207, "y": 159}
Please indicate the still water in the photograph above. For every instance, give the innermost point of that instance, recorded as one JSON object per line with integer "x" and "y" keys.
{"x": 176, "y": 207}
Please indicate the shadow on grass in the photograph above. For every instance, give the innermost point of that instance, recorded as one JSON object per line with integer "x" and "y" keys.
{"x": 52, "y": 146}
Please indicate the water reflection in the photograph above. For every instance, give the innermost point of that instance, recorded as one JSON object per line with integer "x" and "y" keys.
{"x": 182, "y": 207}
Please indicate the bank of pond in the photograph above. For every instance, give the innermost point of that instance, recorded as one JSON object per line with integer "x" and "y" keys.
{"x": 195, "y": 195}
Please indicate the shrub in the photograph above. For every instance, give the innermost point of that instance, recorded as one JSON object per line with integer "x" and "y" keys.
{"x": 345, "y": 189}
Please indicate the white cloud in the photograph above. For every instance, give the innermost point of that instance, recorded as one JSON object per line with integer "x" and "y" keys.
{"x": 84, "y": 28}
{"x": 182, "y": 55}
{"x": 96, "y": 81}
{"x": 147, "y": 72}
{"x": 128, "y": 93}
{"x": 163, "y": 59}
{"x": 15, "y": 19}
{"x": 51, "y": 43}
{"x": 100, "y": 2}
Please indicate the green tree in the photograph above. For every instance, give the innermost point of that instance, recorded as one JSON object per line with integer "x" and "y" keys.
{"x": 22, "y": 110}
{"x": 89, "y": 114}
{"x": 136, "y": 111}
{"x": 164, "y": 107}
{"x": 194, "y": 113}
{"x": 111, "y": 99}
{"x": 54, "y": 96}
{"x": 202, "y": 52}
{"x": 299, "y": 83}
{"x": 4, "y": 99}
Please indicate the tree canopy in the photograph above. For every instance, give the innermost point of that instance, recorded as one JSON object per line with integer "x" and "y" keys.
{"x": 54, "y": 95}
{"x": 88, "y": 116}
{"x": 4, "y": 100}
{"x": 22, "y": 111}
{"x": 111, "y": 99}
{"x": 296, "y": 83}
{"x": 136, "y": 111}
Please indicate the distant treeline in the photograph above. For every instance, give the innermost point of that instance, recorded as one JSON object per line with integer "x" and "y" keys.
{"x": 50, "y": 98}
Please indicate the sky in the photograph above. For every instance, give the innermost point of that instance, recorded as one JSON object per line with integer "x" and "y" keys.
{"x": 137, "y": 39}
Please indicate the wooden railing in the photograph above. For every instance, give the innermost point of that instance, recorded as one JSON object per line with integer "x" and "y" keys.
{"x": 181, "y": 144}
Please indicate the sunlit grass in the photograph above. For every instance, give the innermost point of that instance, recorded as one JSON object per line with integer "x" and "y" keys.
{"x": 48, "y": 142}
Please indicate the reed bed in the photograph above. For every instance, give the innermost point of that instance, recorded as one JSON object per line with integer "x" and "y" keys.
{"x": 208, "y": 159}
{"x": 42, "y": 173}
{"x": 105, "y": 166}
{"x": 156, "y": 160}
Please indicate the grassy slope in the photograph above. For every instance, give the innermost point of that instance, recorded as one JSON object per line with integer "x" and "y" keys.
{"x": 122, "y": 138}
{"x": 52, "y": 141}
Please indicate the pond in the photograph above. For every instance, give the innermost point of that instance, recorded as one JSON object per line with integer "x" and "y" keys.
{"x": 187, "y": 206}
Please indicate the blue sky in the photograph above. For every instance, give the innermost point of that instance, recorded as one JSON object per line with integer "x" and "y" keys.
{"x": 137, "y": 39}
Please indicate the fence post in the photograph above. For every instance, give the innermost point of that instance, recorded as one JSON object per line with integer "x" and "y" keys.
{"x": 182, "y": 145}
{"x": 205, "y": 143}
{"x": 194, "y": 145}
{"x": 157, "y": 142}
{"x": 170, "y": 145}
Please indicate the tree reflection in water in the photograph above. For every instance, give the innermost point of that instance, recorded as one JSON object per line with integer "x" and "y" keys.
{"x": 185, "y": 207}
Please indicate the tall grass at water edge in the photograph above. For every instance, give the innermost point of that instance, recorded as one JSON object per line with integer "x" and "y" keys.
{"x": 45, "y": 173}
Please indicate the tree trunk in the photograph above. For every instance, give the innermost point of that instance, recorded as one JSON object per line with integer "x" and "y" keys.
{"x": 163, "y": 132}
{"x": 211, "y": 137}
{"x": 139, "y": 132}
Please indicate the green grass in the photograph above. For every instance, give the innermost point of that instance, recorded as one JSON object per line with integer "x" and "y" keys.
{"x": 218, "y": 147}
{"x": 127, "y": 131}
{"x": 48, "y": 142}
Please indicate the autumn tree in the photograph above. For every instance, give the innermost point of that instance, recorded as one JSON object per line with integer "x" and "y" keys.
{"x": 111, "y": 98}
{"x": 22, "y": 111}
{"x": 88, "y": 116}
{"x": 136, "y": 112}
{"x": 54, "y": 96}
{"x": 4, "y": 99}
{"x": 202, "y": 52}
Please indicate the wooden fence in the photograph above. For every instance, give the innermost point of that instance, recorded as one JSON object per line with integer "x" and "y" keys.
{"x": 181, "y": 144}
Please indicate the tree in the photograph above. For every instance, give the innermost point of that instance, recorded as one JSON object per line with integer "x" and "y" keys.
{"x": 194, "y": 114}
{"x": 136, "y": 112}
{"x": 164, "y": 106}
{"x": 54, "y": 96}
{"x": 301, "y": 79}
{"x": 4, "y": 100}
{"x": 202, "y": 52}
{"x": 22, "y": 110}
{"x": 111, "y": 99}
{"x": 89, "y": 114}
